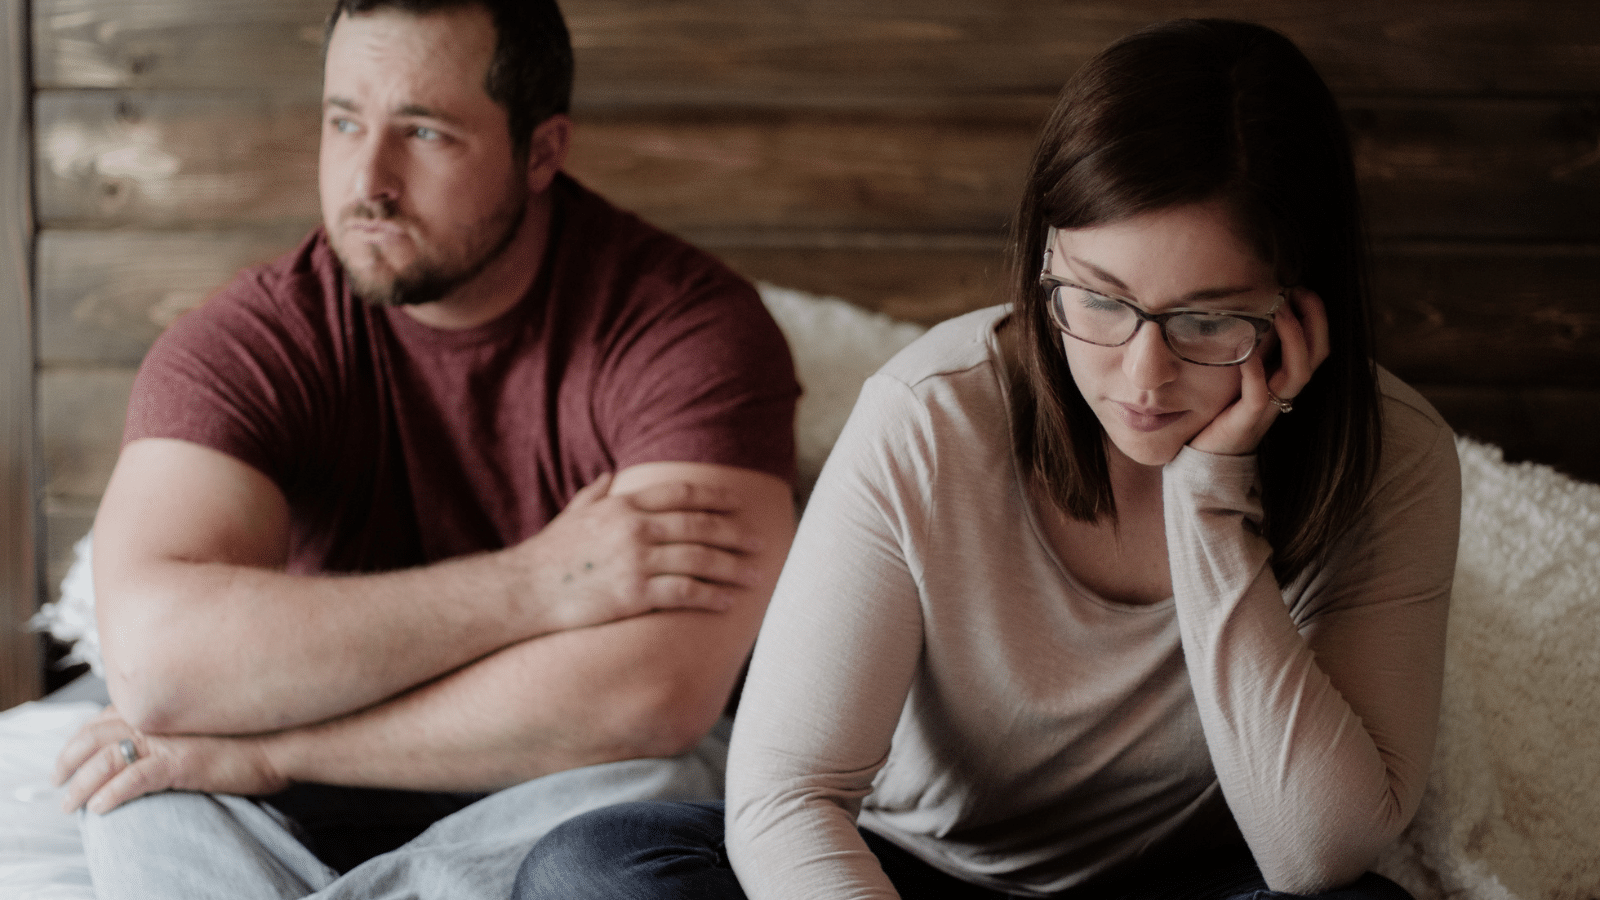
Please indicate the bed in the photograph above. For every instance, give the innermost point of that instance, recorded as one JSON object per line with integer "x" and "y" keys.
{"x": 1512, "y": 810}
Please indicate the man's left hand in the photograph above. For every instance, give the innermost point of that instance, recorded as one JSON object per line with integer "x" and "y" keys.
{"x": 94, "y": 766}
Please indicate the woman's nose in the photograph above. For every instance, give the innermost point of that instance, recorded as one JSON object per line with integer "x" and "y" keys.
{"x": 1147, "y": 360}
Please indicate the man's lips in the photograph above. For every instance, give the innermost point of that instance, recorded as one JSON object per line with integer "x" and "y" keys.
{"x": 373, "y": 228}
{"x": 1146, "y": 418}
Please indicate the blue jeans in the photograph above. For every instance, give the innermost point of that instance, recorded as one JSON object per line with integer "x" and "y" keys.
{"x": 675, "y": 851}
{"x": 342, "y": 844}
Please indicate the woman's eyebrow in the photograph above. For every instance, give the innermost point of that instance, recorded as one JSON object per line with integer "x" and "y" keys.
{"x": 1217, "y": 293}
{"x": 1100, "y": 273}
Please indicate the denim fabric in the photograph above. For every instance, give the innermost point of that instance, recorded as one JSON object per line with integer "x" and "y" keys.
{"x": 675, "y": 851}
{"x": 187, "y": 845}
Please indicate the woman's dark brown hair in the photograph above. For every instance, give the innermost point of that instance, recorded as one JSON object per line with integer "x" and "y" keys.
{"x": 1186, "y": 112}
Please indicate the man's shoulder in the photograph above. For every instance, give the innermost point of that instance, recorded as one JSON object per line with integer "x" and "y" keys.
{"x": 304, "y": 277}
{"x": 607, "y": 250}
{"x": 279, "y": 320}
{"x": 293, "y": 299}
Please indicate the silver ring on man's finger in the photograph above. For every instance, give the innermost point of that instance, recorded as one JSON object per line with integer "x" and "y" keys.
{"x": 1284, "y": 404}
{"x": 130, "y": 753}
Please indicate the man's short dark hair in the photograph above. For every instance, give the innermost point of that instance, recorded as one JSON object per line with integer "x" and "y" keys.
{"x": 530, "y": 75}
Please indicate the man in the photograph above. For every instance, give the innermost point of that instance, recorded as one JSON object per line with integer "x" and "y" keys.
{"x": 464, "y": 513}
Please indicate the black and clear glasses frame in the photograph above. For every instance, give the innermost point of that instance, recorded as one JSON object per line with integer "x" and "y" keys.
{"x": 1049, "y": 283}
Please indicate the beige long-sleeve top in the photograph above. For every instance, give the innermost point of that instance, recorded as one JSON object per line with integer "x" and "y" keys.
{"x": 930, "y": 665}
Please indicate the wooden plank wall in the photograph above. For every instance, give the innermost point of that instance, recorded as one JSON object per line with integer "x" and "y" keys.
{"x": 19, "y": 651}
{"x": 867, "y": 150}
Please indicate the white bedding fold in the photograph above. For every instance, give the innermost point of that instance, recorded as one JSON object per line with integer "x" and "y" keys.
{"x": 41, "y": 855}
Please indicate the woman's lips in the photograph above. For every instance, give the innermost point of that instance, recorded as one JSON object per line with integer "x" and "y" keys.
{"x": 1141, "y": 418}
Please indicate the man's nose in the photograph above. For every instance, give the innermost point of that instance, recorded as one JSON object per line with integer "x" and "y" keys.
{"x": 376, "y": 175}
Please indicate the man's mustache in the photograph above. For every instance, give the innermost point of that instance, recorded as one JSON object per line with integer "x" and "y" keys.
{"x": 378, "y": 210}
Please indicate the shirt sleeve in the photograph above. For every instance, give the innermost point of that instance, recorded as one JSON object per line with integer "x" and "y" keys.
{"x": 832, "y": 667}
{"x": 706, "y": 377}
{"x": 232, "y": 376}
{"x": 1319, "y": 704}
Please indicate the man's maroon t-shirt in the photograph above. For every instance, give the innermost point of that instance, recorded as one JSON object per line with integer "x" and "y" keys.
{"x": 398, "y": 444}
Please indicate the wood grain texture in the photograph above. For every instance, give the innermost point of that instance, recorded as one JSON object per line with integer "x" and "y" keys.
{"x": 1558, "y": 427}
{"x": 61, "y": 532}
{"x": 174, "y": 159}
{"x": 924, "y": 281}
{"x": 1484, "y": 170}
{"x": 104, "y": 296}
{"x": 1479, "y": 314}
{"x": 846, "y": 54}
{"x": 20, "y": 657}
{"x": 81, "y": 411}
{"x": 1479, "y": 169}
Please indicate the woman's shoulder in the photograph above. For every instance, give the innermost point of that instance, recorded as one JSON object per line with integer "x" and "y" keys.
{"x": 1416, "y": 438}
{"x": 1403, "y": 401}
{"x": 941, "y": 396}
{"x": 954, "y": 346}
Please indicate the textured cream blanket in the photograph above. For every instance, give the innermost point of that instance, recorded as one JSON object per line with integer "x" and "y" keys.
{"x": 1512, "y": 810}
{"x": 1513, "y": 804}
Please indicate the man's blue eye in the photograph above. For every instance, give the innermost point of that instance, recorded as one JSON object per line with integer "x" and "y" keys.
{"x": 343, "y": 126}
{"x": 426, "y": 133}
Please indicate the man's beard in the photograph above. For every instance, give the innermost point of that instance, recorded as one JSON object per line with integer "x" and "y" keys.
{"x": 427, "y": 279}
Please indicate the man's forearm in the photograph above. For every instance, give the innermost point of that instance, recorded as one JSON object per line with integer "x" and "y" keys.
{"x": 638, "y": 686}
{"x": 622, "y": 690}
{"x": 647, "y": 686}
{"x": 630, "y": 684}
{"x": 203, "y": 632}
{"x": 221, "y": 648}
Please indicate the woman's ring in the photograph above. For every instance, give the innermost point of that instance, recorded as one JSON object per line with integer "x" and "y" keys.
{"x": 1284, "y": 404}
{"x": 130, "y": 753}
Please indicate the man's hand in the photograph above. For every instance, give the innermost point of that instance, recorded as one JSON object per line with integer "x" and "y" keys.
{"x": 611, "y": 556}
{"x": 93, "y": 767}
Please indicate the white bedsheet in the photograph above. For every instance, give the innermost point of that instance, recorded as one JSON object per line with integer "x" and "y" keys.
{"x": 41, "y": 856}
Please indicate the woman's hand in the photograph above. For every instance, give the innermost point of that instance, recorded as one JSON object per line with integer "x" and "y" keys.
{"x": 1301, "y": 327}
{"x": 97, "y": 773}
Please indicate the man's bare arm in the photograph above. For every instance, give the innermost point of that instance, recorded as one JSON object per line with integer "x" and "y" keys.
{"x": 649, "y": 685}
{"x": 203, "y": 632}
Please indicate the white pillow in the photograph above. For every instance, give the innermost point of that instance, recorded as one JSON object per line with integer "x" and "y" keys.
{"x": 70, "y": 619}
{"x": 836, "y": 345}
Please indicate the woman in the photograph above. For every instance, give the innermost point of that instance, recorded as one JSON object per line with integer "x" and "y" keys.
{"x": 1135, "y": 588}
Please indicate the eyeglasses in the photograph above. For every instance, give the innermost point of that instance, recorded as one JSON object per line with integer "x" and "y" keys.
{"x": 1203, "y": 337}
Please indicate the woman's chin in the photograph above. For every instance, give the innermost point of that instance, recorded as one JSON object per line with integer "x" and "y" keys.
{"x": 1149, "y": 451}
{"x": 1151, "y": 447}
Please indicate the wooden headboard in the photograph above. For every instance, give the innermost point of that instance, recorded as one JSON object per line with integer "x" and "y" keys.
{"x": 869, "y": 150}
